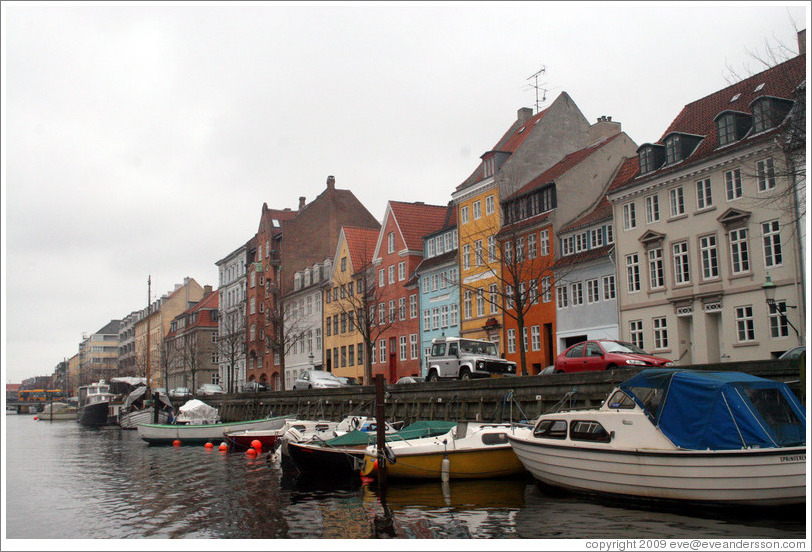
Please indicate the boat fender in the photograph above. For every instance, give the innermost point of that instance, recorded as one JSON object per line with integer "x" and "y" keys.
{"x": 390, "y": 455}
{"x": 445, "y": 469}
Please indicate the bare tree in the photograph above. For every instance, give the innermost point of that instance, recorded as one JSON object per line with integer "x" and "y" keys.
{"x": 231, "y": 346}
{"x": 284, "y": 328}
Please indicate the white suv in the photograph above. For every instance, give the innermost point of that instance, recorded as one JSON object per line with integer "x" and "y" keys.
{"x": 455, "y": 357}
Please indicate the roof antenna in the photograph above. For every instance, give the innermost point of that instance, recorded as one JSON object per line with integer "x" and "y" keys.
{"x": 535, "y": 77}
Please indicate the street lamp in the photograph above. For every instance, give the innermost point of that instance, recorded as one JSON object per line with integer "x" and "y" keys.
{"x": 769, "y": 292}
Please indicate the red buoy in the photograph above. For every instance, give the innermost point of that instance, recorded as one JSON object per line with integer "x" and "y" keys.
{"x": 257, "y": 444}
{"x": 223, "y": 447}
{"x": 36, "y": 417}
{"x": 209, "y": 445}
{"x": 251, "y": 452}
{"x": 176, "y": 443}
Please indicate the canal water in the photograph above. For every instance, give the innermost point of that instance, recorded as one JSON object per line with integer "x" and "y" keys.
{"x": 63, "y": 481}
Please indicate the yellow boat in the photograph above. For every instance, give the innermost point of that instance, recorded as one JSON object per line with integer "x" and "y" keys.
{"x": 475, "y": 450}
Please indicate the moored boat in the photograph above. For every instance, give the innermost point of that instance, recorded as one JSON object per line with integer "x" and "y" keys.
{"x": 270, "y": 439}
{"x": 474, "y": 450}
{"x": 678, "y": 435}
{"x": 94, "y": 404}
{"x": 137, "y": 410}
{"x": 57, "y": 411}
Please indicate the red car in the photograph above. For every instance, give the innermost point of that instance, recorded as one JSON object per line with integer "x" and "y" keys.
{"x": 605, "y": 354}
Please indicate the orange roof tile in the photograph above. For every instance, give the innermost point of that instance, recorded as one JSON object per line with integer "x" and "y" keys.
{"x": 361, "y": 245}
{"x": 416, "y": 220}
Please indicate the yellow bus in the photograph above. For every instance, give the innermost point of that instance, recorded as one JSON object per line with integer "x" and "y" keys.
{"x": 32, "y": 395}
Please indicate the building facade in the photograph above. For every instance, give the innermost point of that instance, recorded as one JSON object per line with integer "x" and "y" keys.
{"x": 707, "y": 223}
{"x": 192, "y": 344}
{"x": 231, "y": 328}
{"x": 98, "y": 354}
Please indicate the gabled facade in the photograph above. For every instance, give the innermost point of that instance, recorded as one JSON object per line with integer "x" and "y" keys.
{"x": 398, "y": 252}
{"x": 533, "y": 217}
{"x": 437, "y": 279}
{"x": 346, "y": 302}
{"x": 303, "y": 320}
{"x": 231, "y": 328}
{"x": 98, "y": 354}
{"x": 708, "y": 219}
{"x": 531, "y": 145}
{"x": 192, "y": 344}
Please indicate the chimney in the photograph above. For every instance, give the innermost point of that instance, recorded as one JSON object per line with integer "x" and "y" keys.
{"x": 802, "y": 42}
{"x": 524, "y": 113}
{"x": 206, "y": 291}
{"x": 331, "y": 182}
{"x": 604, "y": 128}
{"x": 301, "y": 202}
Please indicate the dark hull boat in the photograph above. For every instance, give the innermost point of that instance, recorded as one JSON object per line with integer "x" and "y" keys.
{"x": 94, "y": 415}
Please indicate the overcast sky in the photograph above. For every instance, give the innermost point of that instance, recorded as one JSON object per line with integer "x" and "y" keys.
{"x": 143, "y": 139}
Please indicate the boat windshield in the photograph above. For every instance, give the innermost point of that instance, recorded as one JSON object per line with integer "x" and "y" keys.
{"x": 621, "y": 347}
{"x": 777, "y": 412}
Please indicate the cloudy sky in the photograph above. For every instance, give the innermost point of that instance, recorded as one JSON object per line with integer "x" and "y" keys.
{"x": 144, "y": 138}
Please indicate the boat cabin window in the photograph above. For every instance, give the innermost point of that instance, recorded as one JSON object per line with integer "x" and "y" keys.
{"x": 776, "y": 411}
{"x": 621, "y": 400}
{"x": 322, "y": 427}
{"x": 651, "y": 397}
{"x": 494, "y": 438}
{"x": 588, "y": 430}
{"x": 553, "y": 429}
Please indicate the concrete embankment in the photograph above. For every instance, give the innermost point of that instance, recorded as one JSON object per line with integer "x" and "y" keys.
{"x": 491, "y": 399}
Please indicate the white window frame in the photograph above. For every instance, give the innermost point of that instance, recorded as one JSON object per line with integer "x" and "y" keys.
{"x": 676, "y": 198}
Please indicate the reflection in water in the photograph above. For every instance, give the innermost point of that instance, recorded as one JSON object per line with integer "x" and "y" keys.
{"x": 66, "y": 481}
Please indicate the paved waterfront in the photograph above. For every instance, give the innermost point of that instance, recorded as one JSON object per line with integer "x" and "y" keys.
{"x": 64, "y": 482}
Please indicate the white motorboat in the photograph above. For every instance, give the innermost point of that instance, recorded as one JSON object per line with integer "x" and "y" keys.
{"x": 704, "y": 437}
{"x": 136, "y": 410}
{"x": 57, "y": 411}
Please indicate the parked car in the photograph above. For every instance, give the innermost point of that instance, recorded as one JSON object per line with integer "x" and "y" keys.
{"x": 255, "y": 387}
{"x": 210, "y": 389}
{"x": 180, "y": 392}
{"x": 795, "y": 352}
{"x": 605, "y": 354}
{"x": 348, "y": 380}
{"x": 548, "y": 370}
{"x": 316, "y": 379}
{"x": 455, "y": 357}
{"x": 410, "y": 379}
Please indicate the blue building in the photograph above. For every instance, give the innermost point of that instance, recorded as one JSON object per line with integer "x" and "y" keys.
{"x": 437, "y": 278}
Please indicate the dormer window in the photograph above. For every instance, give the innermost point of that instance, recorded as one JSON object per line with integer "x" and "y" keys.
{"x": 769, "y": 112}
{"x": 489, "y": 165}
{"x": 726, "y": 126}
{"x": 650, "y": 157}
{"x": 673, "y": 151}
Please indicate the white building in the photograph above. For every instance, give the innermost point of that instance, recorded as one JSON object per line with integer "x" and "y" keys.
{"x": 231, "y": 333}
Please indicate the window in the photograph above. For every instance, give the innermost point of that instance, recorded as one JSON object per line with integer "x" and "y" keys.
{"x": 660, "y": 333}
{"x": 673, "y": 153}
{"x": 426, "y": 280}
{"x": 507, "y": 252}
{"x": 429, "y": 248}
{"x": 652, "y": 209}
{"x": 466, "y": 257}
{"x": 544, "y": 243}
{"x": 478, "y": 258}
{"x": 511, "y": 340}
{"x": 381, "y": 314}
{"x": 438, "y": 245}
{"x": 453, "y": 315}
{"x": 710, "y": 260}
{"x": 551, "y": 429}
{"x": 577, "y": 290}
{"x": 546, "y": 290}
{"x": 744, "y": 324}
{"x": 435, "y": 282}
{"x": 592, "y": 293}
{"x": 413, "y": 306}
{"x": 464, "y": 214}
{"x": 519, "y": 249}
{"x": 610, "y": 236}
{"x": 490, "y": 205}
{"x": 477, "y": 210}
{"x": 733, "y": 184}
{"x": 467, "y": 304}
{"x": 646, "y": 157}
{"x": 381, "y": 278}
{"x": 413, "y": 346}
{"x": 580, "y": 242}
{"x": 360, "y": 350}
{"x": 491, "y": 249}
{"x": 763, "y": 115}
{"x": 392, "y": 311}
{"x": 390, "y": 242}
{"x": 566, "y": 246}
{"x": 391, "y": 271}
{"x": 426, "y": 320}
{"x": 726, "y": 126}
{"x": 328, "y": 326}
{"x": 444, "y": 316}
{"x": 350, "y": 355}
{"x": 509, "y": 296}
{"x": 677, "y": 201}
{"x": 629, "y": 216}
{"x": 704, "y": 199}
{"x": 535, "y": 338}
{"x": 435, "y": 318}
{"x": 343, "y": 356}
{"x": 632, "y": 273}
{"x": 656, "y": 272}
{"x": 561, "y": 296}
{"x": 447, "y": 240}
{"x": 765, "y": 174}
{"x": 525, "y": 341}
{"x": 494, "y": 301}
{"x": 608, "y": 287}
{"x": 401, "y": 270}
{"x": 382, "y": 351}
{"x": 778, "y": 323}
{"x": 343, "y": 322}
{"x": 588, "y": 431}
{"x": 772, "y": 243}
{"x": 402, "y": 308}
{"x": 532, "y": 251}
{"x": 404, "y": 348}
{"x": 739, "y": 252}
{"x": 636, "y": 332}
{"x": 682, "y": 272}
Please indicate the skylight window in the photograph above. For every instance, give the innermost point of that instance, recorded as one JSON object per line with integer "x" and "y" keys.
{"x": 759, "y": 87}
{"x": 521, "y": 130}
{"x": 275, "y": 223}
{"x": 734, "y": 98}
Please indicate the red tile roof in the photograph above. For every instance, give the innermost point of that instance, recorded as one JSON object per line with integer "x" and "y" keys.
{"x": 584, "y": 256}
{"x": 698, "y": 117}
{"x": 601, "y": 212}
{"x": 562, "y": 167}
{"x": 510, "y": 229}
{"x": 416, "y": 220}
{"x": 361, "y": 245}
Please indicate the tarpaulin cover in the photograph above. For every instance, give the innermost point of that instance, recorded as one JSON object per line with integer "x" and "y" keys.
{"x": 719, "y": 410}
{"x": 426, "y": 428}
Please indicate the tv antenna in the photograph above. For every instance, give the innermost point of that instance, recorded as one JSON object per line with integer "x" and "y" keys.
{"x": 535, "y": 77}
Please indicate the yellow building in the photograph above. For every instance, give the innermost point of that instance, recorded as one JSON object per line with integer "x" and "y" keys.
{"x": 161, "y": 313}
{"x": 344, "y": 302}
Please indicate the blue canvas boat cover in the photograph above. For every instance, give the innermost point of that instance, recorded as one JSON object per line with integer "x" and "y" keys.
{"x": 700, "y": 410}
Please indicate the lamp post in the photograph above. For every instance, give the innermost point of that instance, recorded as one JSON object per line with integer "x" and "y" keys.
{"x": 769, "y": 292}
